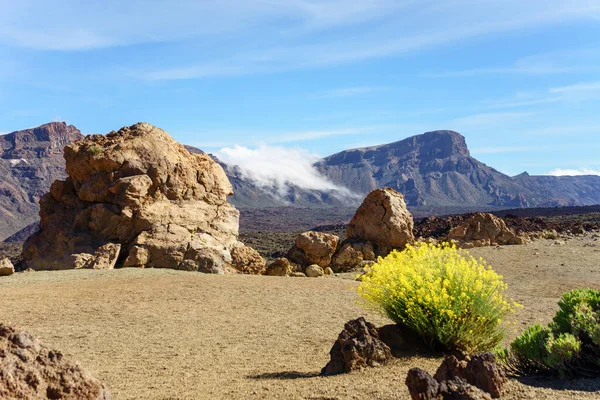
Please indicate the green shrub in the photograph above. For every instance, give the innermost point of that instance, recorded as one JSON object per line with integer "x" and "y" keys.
{"x": 95, "y": 150}
{"x": 451, "y": 300}
{"x": 570, "y": 345}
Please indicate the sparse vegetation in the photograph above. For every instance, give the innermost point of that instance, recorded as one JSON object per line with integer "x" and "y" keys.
{"x": 570, "y": 345}
{"x": 452, "y": 300}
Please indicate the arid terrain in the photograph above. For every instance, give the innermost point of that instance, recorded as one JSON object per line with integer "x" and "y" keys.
{"x": 164, "y": 334}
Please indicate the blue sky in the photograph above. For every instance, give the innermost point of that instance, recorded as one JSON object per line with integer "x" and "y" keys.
{"x": 520, "y": 79}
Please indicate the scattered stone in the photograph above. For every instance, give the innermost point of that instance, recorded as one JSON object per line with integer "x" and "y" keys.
{"x": 280, "y": 267}
{"x": 314, "y": 271}
{"x": 484, "y": 229}
{"x": 298, "y": 275}
{"x": 460, "y": 389}
{"x": 328, "y": 271}
{"x": 29, "y": 370}
{"x": 383, "y": 220}
{"x": 139, "y": 189}
{"x": 6, "y": 267}
{"x": 421, "y": 385}
{"x": 313, "y": 248}
{"x": 357, "y": 347}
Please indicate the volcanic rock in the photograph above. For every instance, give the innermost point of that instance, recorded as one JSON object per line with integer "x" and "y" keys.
{"x": 313, "y": 248}
{"x": 314, "y": 271}
{"x": 352, "y": 254}
{"x": 384, "y": 220}
{"x": 357, "y": 346}
{"x": 140, "y": 189}
{"x": 280, "y": 267}
{"x": 6, "y": 267}
{"x": 29, "y": 370}
{"x": 484, "y": 229}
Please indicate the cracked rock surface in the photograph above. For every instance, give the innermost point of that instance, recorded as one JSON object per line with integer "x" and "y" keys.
{"x": 140, "y": 189}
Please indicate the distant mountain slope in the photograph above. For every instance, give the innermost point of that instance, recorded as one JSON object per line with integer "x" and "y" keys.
{"x": 30, "y": 160}
{"x": 434, "y": 168}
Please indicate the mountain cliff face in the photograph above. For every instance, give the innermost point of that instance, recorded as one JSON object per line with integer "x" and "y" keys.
{"x": 30, "y": 160}
{"x": 434, "y": 168}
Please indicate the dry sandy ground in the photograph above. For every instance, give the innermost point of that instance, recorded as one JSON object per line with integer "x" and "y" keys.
{"x": 160, "y": 334}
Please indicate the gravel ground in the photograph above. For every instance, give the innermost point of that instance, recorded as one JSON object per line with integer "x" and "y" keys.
{"x": 161, "y": 334}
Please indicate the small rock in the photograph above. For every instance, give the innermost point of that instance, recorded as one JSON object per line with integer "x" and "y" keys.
{"x": 328, "y": 271}
{"x": 105, "y": 257}
{"x": 280, "y": 267}
{"x": 298, "y": 275}
{"x": 421, "y": 385}
{"x": 6, "y": 267}
{"x": 314, "y": 271}
{"x": 357, "y": 346}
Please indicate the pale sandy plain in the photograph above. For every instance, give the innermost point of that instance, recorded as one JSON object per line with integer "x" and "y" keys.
{"x": 162, "y": 334}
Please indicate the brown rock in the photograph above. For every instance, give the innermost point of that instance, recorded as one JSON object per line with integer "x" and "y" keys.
{"x": 421, "y": 385}
{"x": 328, "y": 271}
{"x": 29, "y": 370}
{"x": 484, "y": 229}
{"x": 6, "y": 267}
{"x": 459, "y": 389}
{"x": 247, "y": 260}
{"x": 357, "y": 346}
{"x": 105, "y": 257}
{"x": 314, "y": 271}
{"x": 140, "y": 189}
{"x": 280, "y": 267}
{"x": 313, "y": 248}
{"x": 383, "y": 220}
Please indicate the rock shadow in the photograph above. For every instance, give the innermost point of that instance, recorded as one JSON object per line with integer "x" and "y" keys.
{"x": 285, "y": 375}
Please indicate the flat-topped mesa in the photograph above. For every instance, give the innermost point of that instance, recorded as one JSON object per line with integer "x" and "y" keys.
{"x": 139, "y": 189}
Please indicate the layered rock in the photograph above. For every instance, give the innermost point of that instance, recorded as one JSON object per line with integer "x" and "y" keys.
{"x": 139, "y": 189}
{"x": 484, "y": 229}
{"x": 29, "y": 370}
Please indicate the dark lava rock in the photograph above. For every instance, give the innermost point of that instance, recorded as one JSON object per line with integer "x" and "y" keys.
{"x": 357, "y": 346}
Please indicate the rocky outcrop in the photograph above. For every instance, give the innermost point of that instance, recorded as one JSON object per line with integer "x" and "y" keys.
{"x": 143, "y": 192}
{"x": 381, "y": 224}
{"x": 6, "y": 267}
{"x": 484, "y": 229}
{"x": 29, "y": 370}
{"x": 383, "y": 220}
{"x": 357, "y": 346}
{"x": 313, "y": 248}
{"x": 479, "y": 377}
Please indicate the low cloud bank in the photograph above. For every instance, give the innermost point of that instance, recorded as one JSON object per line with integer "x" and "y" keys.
{"x": 275, "y": 168}
{"x": 574, "y": 172}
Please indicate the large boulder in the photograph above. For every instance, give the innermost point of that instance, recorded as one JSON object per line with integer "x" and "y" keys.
{"x": 29, "y": 370}
{"x": 383, "y": 220}
{"x": 357, "y": 346}
{"x": 139, "y": 189}
{"x": 484, "y": 229}
{"x": 6, "y": 267}
{"x": 313, "y": 248}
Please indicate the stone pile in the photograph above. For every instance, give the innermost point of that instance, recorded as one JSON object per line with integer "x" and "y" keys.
{"x": 484, "y": 229}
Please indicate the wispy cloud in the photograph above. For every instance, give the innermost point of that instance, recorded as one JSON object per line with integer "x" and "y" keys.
{"x": 574, "y": 172}
{"x": 350, "y": 91}
{"x": 577, "y": 88}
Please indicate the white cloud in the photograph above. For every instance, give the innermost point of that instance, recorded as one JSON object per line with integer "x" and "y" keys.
{"x": 578, "y": 87}
{"x": 574, "y": 172}
{"x": 275, "y": 167}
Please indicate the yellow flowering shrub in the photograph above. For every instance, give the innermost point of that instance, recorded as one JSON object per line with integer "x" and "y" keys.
{"x": 452, "y": 300}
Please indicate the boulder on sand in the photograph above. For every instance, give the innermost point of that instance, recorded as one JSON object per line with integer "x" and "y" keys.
{"x": 313, "y": 248}
{"x": 484, "y": 229}
{"x": 29, "y": 370}
{"x": 6, "y": 267}
{"x": 139, "y": 189}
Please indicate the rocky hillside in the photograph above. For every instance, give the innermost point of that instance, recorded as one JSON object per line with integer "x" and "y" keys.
{"x": 436, "y": 169}
{"x": 30, "y": 160}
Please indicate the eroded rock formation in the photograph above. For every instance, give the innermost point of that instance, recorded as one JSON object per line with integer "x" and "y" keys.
{"x": 313, "y": 248}
{"x": 29, "y": 370}
{"x": 139, "y": 190}
{"x": 484, "y": 229}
